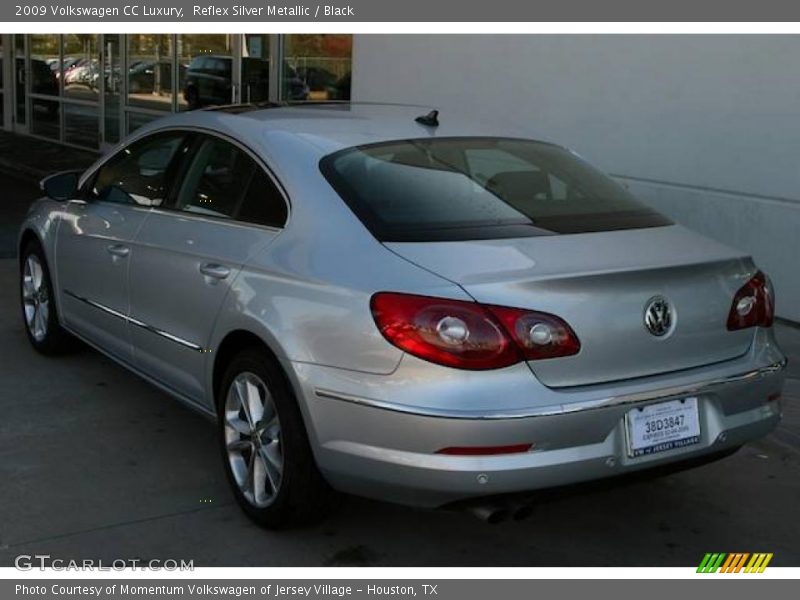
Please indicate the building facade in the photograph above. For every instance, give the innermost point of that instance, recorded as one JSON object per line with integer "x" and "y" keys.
{"x": 89, "y": 90}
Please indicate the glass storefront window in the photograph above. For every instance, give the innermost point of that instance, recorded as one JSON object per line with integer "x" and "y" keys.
{"x": 136, "y": 120}
{"x": 59, "y": 85}
{"x": 19, "y": 77}
{"x": 81, "y": 66}
{"x": 150, "y": 59}
{"x": 112, "y": 73}
{"x": 317, "y": 67}
{"x": 255, "y": 67}
{"x": 44, "y": 70}
{"x": 206, "y": 70}
{"x": 81, "y": 125}
{"x": 45, "y": 118}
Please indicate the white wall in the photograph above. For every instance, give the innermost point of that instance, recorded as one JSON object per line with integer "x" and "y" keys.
{"x": 705, "y": 128}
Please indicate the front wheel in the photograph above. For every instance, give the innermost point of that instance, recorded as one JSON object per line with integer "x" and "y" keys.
{"x": 267, "y": 456}
{"x": 38, "y": 304}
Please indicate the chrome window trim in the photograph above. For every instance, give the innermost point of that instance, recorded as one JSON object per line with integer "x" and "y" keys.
{"x": 557, "y": 409}
{"x": 133, "y": 321}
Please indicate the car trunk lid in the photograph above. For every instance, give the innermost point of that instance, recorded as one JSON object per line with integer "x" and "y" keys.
{"x": 601, "y": 284}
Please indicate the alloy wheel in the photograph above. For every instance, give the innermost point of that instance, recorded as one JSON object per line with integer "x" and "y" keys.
{"x": 253, "y": 439}
{"x": 35, "y": 298}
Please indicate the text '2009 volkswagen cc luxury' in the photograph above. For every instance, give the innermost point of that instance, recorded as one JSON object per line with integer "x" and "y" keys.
{"x": 370, "y": 300}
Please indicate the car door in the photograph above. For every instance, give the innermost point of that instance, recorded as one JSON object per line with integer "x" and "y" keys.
{"x": 224, "y": 208}
{"x": 94, "y": 243}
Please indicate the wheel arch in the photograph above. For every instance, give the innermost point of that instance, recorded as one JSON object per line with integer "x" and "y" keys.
{"x": 25, "y": 238}
{"x": 229, "y": 346}
{"x": 236, "y": 340}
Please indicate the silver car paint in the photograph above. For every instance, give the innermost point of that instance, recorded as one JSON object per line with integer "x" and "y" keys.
{"x": 600, "y": 283}
{"x": 375, "y": 416}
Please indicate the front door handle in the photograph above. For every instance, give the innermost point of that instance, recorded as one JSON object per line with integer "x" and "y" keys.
{"x": 118, "y": 250}
{"x": 214, "y": 270}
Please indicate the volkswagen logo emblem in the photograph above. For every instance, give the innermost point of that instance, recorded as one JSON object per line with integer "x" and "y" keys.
{"x": 658, "y": 316}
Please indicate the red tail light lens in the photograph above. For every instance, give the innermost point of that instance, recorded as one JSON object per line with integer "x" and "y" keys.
{"x": 468, "y": 335}
{"x": 753, "y": 305}
{"x": 539, "y": 335}
{"x": 448, "y": 332}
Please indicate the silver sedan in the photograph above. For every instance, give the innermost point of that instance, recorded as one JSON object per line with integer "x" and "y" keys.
{"x": 404, "y": 305}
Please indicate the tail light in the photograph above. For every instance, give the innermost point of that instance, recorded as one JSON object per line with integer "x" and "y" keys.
{"x": 468, "y": 335}
{"x": 753, "y": 305}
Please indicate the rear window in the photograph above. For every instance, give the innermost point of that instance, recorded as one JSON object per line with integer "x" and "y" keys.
{"x": 448, "y": 189}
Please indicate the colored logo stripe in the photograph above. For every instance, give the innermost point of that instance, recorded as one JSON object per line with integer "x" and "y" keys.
{"x": 734, "y": 562}
{"x": 711, "y": 563}
{"x": 758, "y": 563}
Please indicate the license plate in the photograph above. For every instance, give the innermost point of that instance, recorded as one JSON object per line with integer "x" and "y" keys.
{"x": 663, "y": 426}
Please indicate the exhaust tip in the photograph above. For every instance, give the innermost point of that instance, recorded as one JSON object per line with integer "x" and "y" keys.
{"x": 491, "y": 514}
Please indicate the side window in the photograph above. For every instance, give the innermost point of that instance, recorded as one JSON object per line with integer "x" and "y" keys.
{"x": 138, "y": 174}
{"x": 263, "y": 204}
{"x": 215, "y": 182}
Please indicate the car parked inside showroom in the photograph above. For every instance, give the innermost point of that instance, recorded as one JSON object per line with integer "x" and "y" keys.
{"x": 399, "y": 303}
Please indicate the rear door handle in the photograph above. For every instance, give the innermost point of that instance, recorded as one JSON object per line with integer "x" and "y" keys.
{"x": 214, "y": 270}
{"x": 118, "y": 250}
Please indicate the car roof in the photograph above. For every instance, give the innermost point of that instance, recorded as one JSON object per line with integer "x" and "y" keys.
{"x": 323, "y": 128}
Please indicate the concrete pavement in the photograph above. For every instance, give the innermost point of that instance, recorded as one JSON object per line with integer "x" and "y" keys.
{"x": 95, "y": 463}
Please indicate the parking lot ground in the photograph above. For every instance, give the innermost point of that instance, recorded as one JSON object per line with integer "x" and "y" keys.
{"x": 96, "y": 463}
{"x": 15, "y": 197}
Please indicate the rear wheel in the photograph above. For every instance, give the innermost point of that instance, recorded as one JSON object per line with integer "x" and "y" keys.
{"x": 265, "y": 448}
{"x": 38, "y": 304}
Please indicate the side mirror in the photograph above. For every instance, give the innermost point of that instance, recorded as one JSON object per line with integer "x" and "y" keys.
{"x": 61, "y": 186}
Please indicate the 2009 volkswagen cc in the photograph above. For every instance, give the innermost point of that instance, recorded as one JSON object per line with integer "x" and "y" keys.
{"x": 379, "y": 300}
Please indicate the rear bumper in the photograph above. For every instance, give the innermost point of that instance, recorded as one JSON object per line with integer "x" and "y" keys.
{"x": 386, "y": 450}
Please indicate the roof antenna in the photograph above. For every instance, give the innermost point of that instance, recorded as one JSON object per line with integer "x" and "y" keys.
{"x": 429, "y": 120}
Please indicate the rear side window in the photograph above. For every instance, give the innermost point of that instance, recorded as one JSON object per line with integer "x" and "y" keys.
{"x": 225, "y": 182}
{"x": 263, "y": 204}
{"x": 479, "y": 188}
{"x": 139, "y": 173}
{"x": 213, "y": 183}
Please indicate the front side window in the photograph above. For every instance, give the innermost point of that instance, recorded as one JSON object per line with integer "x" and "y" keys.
{"x": 479, "y": 188}
{"x": 139, "y": 173}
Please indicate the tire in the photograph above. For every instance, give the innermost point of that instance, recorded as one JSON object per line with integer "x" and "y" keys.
{"x": 273, "y": 451}
{"x": 39, "y": 314}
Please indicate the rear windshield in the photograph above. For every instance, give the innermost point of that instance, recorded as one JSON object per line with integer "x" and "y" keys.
{"x": 479, "y": 188}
